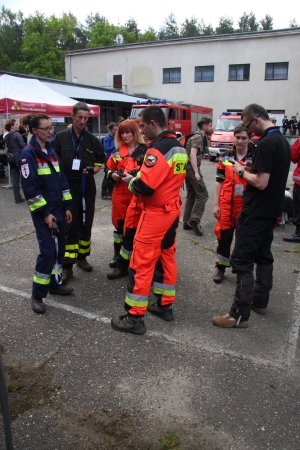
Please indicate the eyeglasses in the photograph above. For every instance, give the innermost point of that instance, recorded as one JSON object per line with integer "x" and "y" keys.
{"x": 248, "y": 124}
{"x": 51, "y": 127}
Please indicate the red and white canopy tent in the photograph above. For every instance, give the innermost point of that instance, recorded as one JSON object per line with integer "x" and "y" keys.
{"x": 30, "y": 96}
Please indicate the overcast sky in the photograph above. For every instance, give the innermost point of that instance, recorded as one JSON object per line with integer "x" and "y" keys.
{"x": 154, "y": 12}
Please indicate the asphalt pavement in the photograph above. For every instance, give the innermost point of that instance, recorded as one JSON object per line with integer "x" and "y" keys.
{"x": 74, "y": 383}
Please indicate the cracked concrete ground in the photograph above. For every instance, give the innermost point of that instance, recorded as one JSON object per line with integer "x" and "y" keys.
{"x": 74, "y": 383}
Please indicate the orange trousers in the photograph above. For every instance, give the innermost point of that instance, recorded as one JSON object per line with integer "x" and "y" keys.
{"x": 154, "y": 240}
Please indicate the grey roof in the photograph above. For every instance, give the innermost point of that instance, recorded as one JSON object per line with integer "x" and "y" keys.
{"x": 88, "y": 93}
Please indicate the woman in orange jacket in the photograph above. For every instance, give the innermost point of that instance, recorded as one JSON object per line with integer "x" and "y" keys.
{"x": 126, "y": 158}
{"x": 229, "y": 197}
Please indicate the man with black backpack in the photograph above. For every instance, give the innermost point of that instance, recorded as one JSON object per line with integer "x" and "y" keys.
{"x": 197, "y": 194}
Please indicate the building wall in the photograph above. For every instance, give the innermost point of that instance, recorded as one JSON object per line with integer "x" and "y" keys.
{"x": 141, "y": 66}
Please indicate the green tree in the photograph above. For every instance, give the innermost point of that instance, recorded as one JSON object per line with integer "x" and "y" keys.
{"x": 102, "y": 34}
{"x": 170, "y": 30}
{"x": 190, "y": 28}
{"x": 11, "y": 36}
{"x": 91, "y": 20}
{"x": 293, "y": 24}
{"x": 132, "y": 27}
{"x": 225, "y": 26}
{"x": 248, "y": 22}
{"x": 267, "y": 23}
{"x": 148, "y": 35}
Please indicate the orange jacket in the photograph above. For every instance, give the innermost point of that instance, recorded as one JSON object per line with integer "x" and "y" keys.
{"x": 231, "y": 198}
{"x": 121, "y": 196}
{"x": 162, "y": 174}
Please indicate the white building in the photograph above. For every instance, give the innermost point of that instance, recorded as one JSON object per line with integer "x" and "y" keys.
{"x": 225, "y": 72}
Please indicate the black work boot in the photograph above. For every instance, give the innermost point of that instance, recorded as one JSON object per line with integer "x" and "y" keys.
{"x": 196, "y": 228}
{"x": 37, "y": 305}
{"x": 218, "y": 275}
{"x": 164, "y": 312}
{"x": 129, "y": 324}
{"x": 113, "y": 263}
{"x": 58, "y": 289}
{"x": 117, "y": 273}
{"x": 67, "y": 274}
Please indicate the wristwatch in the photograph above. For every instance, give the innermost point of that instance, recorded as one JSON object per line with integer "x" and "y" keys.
{"x": 241, "y": 173}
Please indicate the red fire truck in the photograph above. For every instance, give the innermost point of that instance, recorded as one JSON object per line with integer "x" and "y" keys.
{"x": 181, "y": 118}
{"x": 221, "y": 140}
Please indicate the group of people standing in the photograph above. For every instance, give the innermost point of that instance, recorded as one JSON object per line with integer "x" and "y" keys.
{"x": 148, "y": 167}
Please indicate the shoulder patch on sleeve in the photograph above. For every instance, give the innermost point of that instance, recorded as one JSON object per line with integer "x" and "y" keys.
{"x": 24, "y": 168}
{"x": 150, "y": 160}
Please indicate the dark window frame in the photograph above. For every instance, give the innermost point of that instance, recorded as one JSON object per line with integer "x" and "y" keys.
{"x": 277, "y": 64}
{"x": 167, "y": 75}
{"x": 117, "y": 81}
{"x": 204, "y": 67}
{"x": 246, "y": 72}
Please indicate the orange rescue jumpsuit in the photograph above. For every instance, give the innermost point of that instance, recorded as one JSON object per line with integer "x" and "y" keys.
{"x": 231, "y": 202}
{"x": 120, "y": 160}
{"x": 158, "y": 187}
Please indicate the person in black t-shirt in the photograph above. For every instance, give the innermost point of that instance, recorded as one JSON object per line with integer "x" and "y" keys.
{"x": 263, "y": 199}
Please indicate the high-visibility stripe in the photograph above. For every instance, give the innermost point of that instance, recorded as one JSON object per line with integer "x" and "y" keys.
{"x": 84, "y": 242}
{"x": 54, "y": 270}
{"x": 117, "y": 238}
{"x": 98, "y": 164}
{"x": 223, "y": 261}
{"x": 136, "y": 300}
{"x": 44, "y": 171}
{"x": 67, "y": 195}
{"x": 38, "y": 204}
{"x": 57, "y": 168}
{"x": 84, "y": 250}
{"x": 71, "y": 255}
{"x": 164, "y": 289}
{"x": 72, "y": 247}
{"x": 41, "y": 278}
{"x": 126, "y": 254}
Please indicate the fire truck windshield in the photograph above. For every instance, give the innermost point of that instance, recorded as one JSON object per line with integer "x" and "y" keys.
{"x": 135, "y": 112}
{"x": 227, "y": 124}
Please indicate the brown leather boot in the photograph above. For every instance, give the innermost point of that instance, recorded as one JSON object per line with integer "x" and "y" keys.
{"x": 67, "y": 274}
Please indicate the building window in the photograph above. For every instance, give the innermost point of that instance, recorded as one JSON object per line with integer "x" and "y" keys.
{"x": 277, "y": 71}
{"x": 172, "y": 75}
{"x": 204, "y": 73}
{"x": 239, "y": 72}
{"x": 117, "y": 82}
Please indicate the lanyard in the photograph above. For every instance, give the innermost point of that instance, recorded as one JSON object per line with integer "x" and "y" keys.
{"x": 76, "y": 147}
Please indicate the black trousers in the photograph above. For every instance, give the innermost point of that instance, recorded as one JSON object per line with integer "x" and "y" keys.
{"x": 254, "y": 236}
{"x": 296, "y": 203}
{"x": 78, "y": 232}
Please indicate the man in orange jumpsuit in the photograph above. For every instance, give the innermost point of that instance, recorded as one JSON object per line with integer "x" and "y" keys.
{"x": 158, "y": 187}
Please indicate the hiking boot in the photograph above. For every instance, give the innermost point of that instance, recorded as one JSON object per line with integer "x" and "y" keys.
{"x": 129, "y": 324}
{"x": 294, "y": 238}
{"x": 67, "y": 274}
{"x": 58, "y": 289}
{"x": 165, "y": 313}
{"x": 229, "y": 322}
{"x": 84, "y": 265}
{"x": 196, "y": 228}
{"x": 113, "y": 263}
{"x": 218, "y": 275}
{"x": 117, "y": 273}
{"x": 37, "y": 305}
{"x": 187, "y": 226}
{"x": 259, "y": 310}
